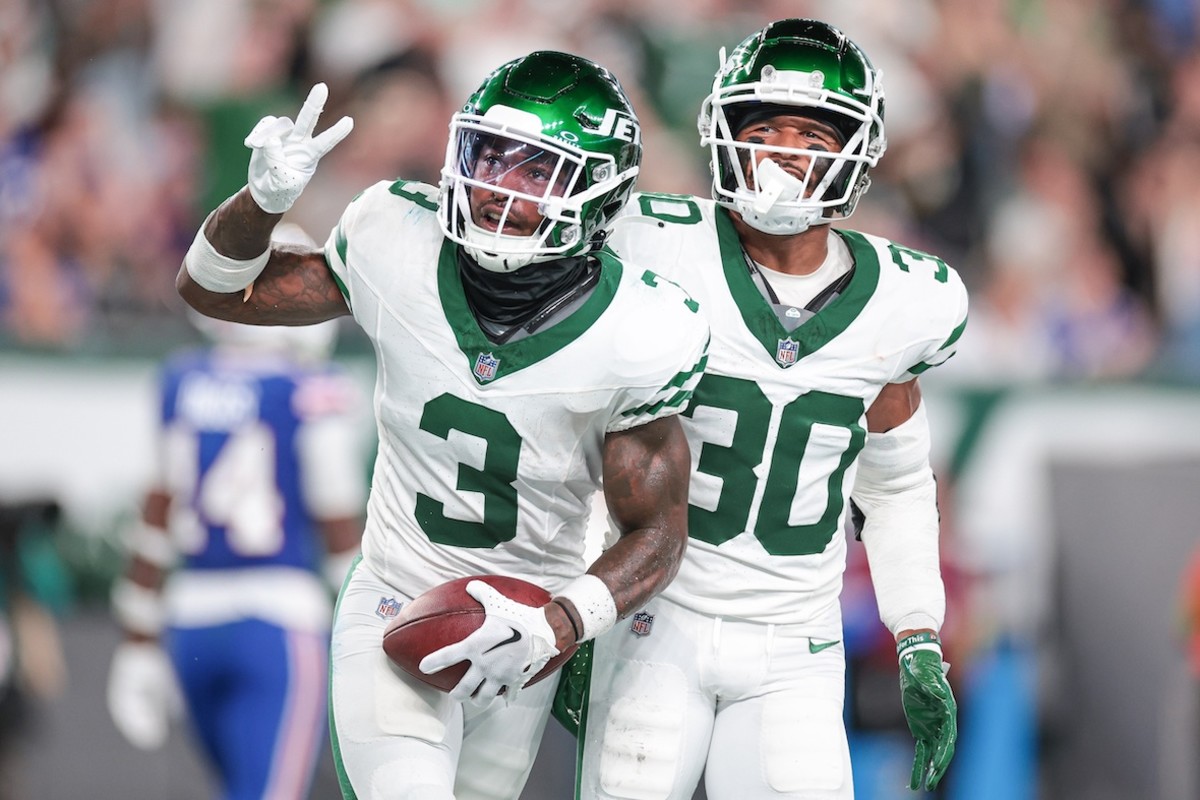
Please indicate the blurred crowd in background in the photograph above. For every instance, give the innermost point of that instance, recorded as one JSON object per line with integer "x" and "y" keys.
{"x": 1048, "y": 149}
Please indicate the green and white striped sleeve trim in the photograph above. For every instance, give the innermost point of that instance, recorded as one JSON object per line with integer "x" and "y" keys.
{"x": 940, "y": 356}
{"x": 671, "y": 399}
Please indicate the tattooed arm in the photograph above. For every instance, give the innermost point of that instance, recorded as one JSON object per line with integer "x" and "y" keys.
{"x": 233, "y": 271}
{"x": 646, "y": 473}
{"x": 295, "y": 288}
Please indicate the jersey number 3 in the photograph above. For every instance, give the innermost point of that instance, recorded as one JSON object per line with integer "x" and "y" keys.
{"x": 495, "y": 478}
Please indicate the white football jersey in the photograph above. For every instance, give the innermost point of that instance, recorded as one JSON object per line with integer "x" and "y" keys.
{"x": 779, "y": 418}
{"x": 489, "y": 454}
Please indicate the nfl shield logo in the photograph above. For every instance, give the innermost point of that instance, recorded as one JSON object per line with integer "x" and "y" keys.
{"x": 485, "y": 367}
{"x": 787, "y": 352}
{"x": 641, "y": 623}
{"x": 388, "y": 607}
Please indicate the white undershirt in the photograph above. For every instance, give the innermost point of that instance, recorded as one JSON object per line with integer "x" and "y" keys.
{"x": 799, "y": 290}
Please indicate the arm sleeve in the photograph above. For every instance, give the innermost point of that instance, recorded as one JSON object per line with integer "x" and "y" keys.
{"x": 896, "y": 491}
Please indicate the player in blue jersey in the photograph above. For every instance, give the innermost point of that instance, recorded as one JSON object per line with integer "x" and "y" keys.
{"x": 241, "y": 546}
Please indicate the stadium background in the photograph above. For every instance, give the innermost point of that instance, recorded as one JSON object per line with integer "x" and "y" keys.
{"x": 1048, "y": 149}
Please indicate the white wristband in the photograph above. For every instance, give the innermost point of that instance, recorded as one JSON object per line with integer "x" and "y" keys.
{"x": 138, "y": 608}
{"x": 151, "y": 544}
{"x": 219, "y": 273}
{"x": 595, "y": 604}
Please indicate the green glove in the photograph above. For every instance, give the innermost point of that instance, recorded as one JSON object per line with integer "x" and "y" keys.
{"x": 571, "y": 697}
{"x": 929, "y": 706}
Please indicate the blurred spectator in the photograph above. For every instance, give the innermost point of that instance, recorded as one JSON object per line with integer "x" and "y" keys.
{"x": 1190, "y": 614}
{"x": 1053, "y": 303}
{"x": 1163, "y": 204}
{"x": 231, "y": 62}
{"x": 34, "y": 589}
{"x": 997, "y": 113}
{"x": 399, "y": 106}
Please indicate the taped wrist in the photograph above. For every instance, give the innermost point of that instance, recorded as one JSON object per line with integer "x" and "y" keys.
{"x": 896, "y": 491}
{"x": 925, "y": 640}
{"x": 593, "y": 603}
{"x": 137, "y": 608}
{"x": 218, "y": 273}
{"x": 152, "y": 544}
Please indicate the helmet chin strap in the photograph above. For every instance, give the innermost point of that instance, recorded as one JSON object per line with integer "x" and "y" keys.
{"x": 775, "y": 185}
{"x": 478, "y": 240}
{"x": 497, "y": 262}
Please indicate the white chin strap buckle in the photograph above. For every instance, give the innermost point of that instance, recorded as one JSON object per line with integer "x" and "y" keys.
{"x": 776, "y": 186}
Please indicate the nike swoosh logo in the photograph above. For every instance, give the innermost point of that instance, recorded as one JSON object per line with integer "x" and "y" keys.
{"x": 516, "y": 637}
{"x": 815, "y": 647}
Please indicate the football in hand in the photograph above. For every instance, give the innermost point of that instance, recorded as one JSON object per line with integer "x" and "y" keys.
{"x": 447, "y": 614}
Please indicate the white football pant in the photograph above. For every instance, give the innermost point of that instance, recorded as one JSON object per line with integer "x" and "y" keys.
{"x": 757, "y": 708}
{"x": 399, "y": 739}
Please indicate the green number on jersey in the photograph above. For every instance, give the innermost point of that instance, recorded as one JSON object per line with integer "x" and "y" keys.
{"x": 905, "y": 257}
{"x": 424, "y": 196}
{"x": 796, "y": 427}
{"x": 735, "y": 464}
{"x": 676, "y": 208}
{"x": 651, "y": 279}
{"x": 496, "y": 481}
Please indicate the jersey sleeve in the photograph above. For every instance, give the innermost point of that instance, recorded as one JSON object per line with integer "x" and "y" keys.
{"x": 674, "y": 339}
{"x": 947, "y": 321}
{"x": 337, "y": 245}
{"x": 376, "y": 237}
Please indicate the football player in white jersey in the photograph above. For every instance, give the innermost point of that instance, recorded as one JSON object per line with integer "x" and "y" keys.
{"x": 810, "y": 399}
{"x": 519, "y": 364}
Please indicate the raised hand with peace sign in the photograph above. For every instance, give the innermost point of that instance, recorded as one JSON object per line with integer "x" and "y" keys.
{"x": 285, "y": 153}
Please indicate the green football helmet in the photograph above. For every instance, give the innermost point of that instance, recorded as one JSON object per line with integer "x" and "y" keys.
{"x": 799, "y": 67}
{"x": 550, "y": 128}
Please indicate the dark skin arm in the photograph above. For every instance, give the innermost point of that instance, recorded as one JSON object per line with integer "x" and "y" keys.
{"x": 296, "y": 288}
{"x": 894, "y": 405}
{"x": 341, "y": 534}
{"x": 646, "y": 474}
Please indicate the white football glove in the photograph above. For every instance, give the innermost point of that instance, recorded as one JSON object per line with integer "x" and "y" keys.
{"x": 143, "y": 696}
{"x": 511, "y": 646}
{"x": 285, "y": 154}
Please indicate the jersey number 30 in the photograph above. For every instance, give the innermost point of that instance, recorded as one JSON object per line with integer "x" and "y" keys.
{"x": 795, "y": 474}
